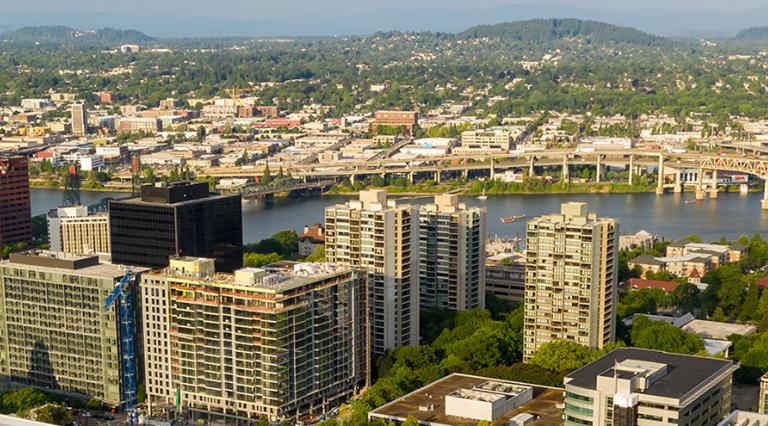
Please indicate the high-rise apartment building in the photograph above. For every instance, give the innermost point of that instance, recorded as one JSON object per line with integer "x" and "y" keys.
{"x": 74, "y": 230}
{"x": 570, "y": 278}
{"x": 640, "y": 387}
{"x": 451, "y": 255}
{"x": 54, "y": 333}
{"x": 380, "y": 237}
{"x": 79, "y": 119}
{"x": 177, "y": 219}
{"x": 15, "y": 206}
{"x": 284, "y": 344}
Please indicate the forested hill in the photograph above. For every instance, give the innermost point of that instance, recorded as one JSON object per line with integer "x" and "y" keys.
{"x": 61, "y": 35}
{"x": 548, "y": 30}
{"x": 753, "y": 34}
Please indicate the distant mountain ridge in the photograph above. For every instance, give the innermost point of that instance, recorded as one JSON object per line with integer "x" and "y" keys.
{"x": 62, "y": 35}
{"x": 753, "y": 34}
{"x": 547, "y": 30}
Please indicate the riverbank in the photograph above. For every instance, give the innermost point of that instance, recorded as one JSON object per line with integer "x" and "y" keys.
{"x": 477, "y": 188}
{"x": 46, "y": 184}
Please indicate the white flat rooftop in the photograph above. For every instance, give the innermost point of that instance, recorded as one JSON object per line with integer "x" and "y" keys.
{"x": 718, "y": 330}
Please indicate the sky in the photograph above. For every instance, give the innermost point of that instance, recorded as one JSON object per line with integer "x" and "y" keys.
{"x": 166, "y": 18}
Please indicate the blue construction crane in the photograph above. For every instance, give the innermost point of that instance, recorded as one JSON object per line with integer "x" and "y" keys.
{"x": 122, "y": 295}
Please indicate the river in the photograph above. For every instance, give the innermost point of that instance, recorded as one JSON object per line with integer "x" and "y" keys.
{"x": 730, "y": 215}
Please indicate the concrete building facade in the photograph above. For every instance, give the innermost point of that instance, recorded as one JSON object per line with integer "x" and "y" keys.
{"x": 571, "y": 278}
{"x": 79, "y": 119}
{"x": 451, "y": 255}
{"x": 484, "y": 142}
{"x": 640, "y": 387}
{"x": 506, "y": 280}
{"x": 74, "y": 230}
{"x": 286, "y": 343}
{"x": 380, "y": 237}
{"x": 54, "y": 333}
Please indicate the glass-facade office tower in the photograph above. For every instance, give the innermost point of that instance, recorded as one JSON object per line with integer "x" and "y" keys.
{"x": 15, "y": 206}
{"x": 177, "y": 219}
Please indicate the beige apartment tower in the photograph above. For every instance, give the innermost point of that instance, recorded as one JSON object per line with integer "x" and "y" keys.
{"x": 284, "y": 343}
{"x": 570, "y": 278}
{"x": 79, "y": 119}
{"x": 451, "y": 255}
{"x": 74, "y": 230}
{"x": 380, "y": 237}
{"x": 54, "y": 333}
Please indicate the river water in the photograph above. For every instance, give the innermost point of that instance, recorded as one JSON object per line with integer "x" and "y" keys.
{"x": 730, "y": 215}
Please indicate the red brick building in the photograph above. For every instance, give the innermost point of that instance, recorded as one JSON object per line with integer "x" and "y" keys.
{"x": 15, "y": 206}
{"x": 107, "y": 97}
{"x": 267, "y": 111}
{"x": 407, "y": 119}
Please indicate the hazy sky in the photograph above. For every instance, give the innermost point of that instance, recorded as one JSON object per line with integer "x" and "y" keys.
{"x": 329, "y": 17}
{"x": 300, "y": 8}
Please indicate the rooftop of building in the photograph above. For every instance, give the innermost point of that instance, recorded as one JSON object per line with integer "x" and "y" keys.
{"x": 177, "y": 193}
{"x": 86, "y": 265}
{"x": 372, "y": 200}
{"x": 744, "y": 418}
{"x": 272, "y": 278}
{"x": 646, "y": 259}
{"x": 6, "y": 420}
{"x": 314, "y": 234}
{"x": 571, "y": 213}
{"x": 640, "y": 283}
{"x": 718, "y": 330}
{"x": 684, "y": 373}
{"x": 427, "y": 404}
{"x": 690, "y": 257}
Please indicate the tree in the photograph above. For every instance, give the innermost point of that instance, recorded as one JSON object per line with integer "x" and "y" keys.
{"x": 288, "y": 240}
{"x": 22, "y": 399}
{"x": 266, "y": 178}
{"x": 663, "y": 336}
{"x": 318, "y": 254}
{"x": 563, "y": 355}
{"x": 763, "y": 304}
{"x": 749, "y": 309}
{"x": 149, "y": 176}
{"x": 687, "y": 297}
{"x": 57, "y": 414}
{"x": 411, "y": 421}
{"x": 256, "y": 260}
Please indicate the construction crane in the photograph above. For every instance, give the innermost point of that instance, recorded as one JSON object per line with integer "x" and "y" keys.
{"x": 235, "y": 92}
{"x": 122, "y": 296}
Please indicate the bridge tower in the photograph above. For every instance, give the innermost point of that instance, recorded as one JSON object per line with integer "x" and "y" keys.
{"x": 660, "y": 180}
{"x": 135, "y": 175}
{"x": 72, "y": 186}
{"x": 713, "y": 190}
{"x": 764, "y": 202}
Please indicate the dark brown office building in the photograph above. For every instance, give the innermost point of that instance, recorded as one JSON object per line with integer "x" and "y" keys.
{"x": 181, "y": 219}
{"x": 15, "y": 207}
